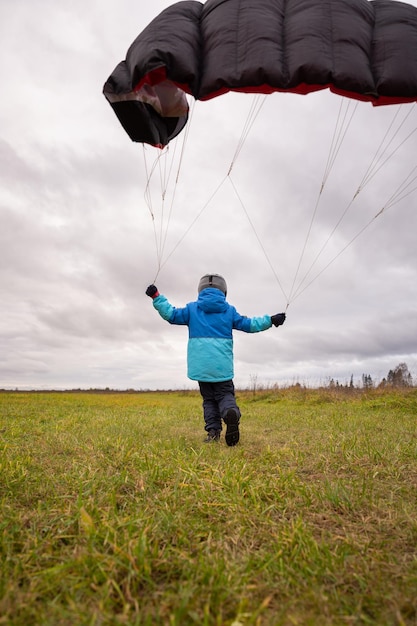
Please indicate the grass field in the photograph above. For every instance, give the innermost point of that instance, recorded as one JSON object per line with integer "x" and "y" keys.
{"x": 113, "y": 511}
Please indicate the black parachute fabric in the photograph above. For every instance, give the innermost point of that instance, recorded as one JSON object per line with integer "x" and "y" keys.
{"x": 357, "y": 48}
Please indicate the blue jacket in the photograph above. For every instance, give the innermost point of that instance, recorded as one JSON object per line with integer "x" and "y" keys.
{"x": 210, "y": 320}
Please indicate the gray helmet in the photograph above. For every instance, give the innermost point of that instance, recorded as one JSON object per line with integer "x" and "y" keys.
{"x": 212, "y": 280}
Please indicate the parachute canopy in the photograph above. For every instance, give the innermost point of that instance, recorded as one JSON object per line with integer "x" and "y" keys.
{"x": 361, "y": 49}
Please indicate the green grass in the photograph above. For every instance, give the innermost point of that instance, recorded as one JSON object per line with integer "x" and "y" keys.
{"x": 113, "y": 511}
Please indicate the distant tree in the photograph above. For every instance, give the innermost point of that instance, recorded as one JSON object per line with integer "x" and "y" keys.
{"x": 367, "y": 382}
{"x": 351, "y": 385}
{"x": 400, "y": 376}
{"x": 253, "y": 382}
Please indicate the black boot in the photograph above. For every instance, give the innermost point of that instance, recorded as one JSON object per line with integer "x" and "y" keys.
{"x": 231, "y": 419}
{"x": 212, "y": 436}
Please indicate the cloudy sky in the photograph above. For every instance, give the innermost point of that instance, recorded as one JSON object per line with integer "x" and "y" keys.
{"x": 79, "y": 244}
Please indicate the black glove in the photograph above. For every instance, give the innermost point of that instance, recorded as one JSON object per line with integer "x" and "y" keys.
{"x": 278, "y": 319}
{"x": 152, "y": 291}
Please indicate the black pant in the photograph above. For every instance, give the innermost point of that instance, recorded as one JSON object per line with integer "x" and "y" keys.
{"x": 218, "y": 398}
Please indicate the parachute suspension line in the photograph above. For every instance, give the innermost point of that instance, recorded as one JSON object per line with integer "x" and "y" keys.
{"x": 187, "y": 132}
{"x": 388, "y": 205}
{"x": 301, "y": 290}
{"x": 301, "y": 257}
{"x": 377, "y": 162}
{"x": 256, "y": 106}
{"x": 401, "y": 192}
{"x": 258, "y": 238}
{"x": 191, "y": 225}
{"x": 164, "y": 177}
{"x": 156, "y": 166}
{"x": 342, "y": 125}
{"x": 148, "y": 200}
{"x": 177, "y": 176}
{"x": 164, "y": 164}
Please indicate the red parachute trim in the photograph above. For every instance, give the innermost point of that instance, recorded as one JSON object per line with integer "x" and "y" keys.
{"x": 304, "y": 89}
{"x": 159, "y": 75}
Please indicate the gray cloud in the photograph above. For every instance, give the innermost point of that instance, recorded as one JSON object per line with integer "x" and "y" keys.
{"x": 79, "y": 246}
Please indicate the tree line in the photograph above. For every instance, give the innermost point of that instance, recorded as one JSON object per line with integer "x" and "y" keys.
{"x": 398, "y": 377}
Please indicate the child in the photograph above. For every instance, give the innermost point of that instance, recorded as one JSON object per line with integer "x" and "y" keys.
{"x": 211, "y": 320}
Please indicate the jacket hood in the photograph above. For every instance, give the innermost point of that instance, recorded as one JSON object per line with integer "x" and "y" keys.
{"x": 212, "y": 300}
